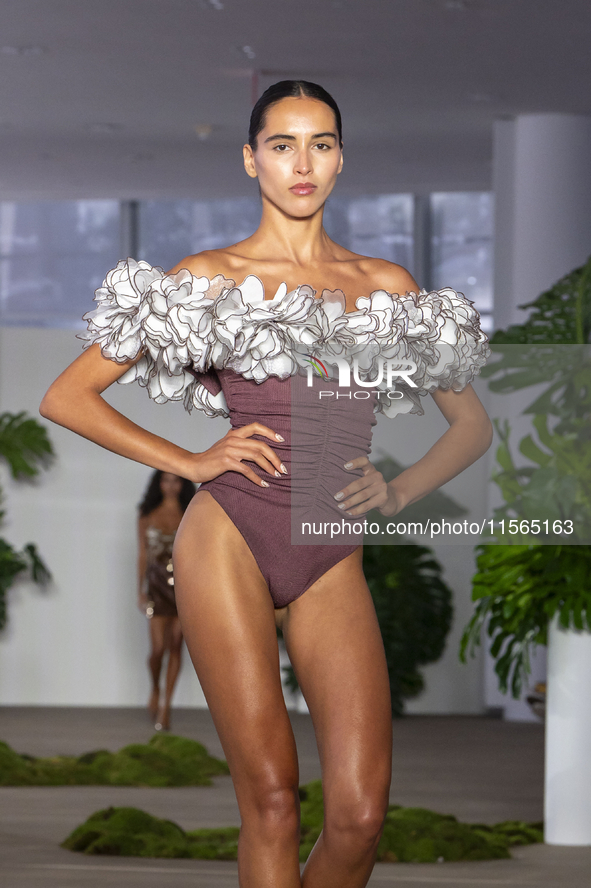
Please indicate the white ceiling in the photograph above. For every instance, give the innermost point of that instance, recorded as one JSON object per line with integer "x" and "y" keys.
{"x": 102, "y": 97}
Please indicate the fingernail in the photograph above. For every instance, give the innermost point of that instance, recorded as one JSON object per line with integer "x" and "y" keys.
{"x": 339, "y": 496}
{"x": 279, "y": 437}
{"x": 349, "y": 465}
{"x": 277, "y": 474}
{"x": 283, "y": 469}
{"x": 342, "y": 506}
{"x": 264, "y": 484}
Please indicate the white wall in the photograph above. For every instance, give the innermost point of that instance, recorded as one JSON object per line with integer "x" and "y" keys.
{"x": 84, "y": 642}
{"x": 78, "y": 168}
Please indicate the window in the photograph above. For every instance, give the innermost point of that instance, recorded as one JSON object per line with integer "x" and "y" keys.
{"x": 461, "y": 228}
{"x": 53, "y": 255}
{"x": 172, "y": 229}
{"x": 380, "y": 226}
{"x": 374, "y": 226}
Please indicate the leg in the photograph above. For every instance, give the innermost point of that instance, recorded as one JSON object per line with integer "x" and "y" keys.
{"x": 174, "y": 637}
{"x": 228, "y": 622}
{"x": 336, "y": 649}
{"x": 157, "y": 649}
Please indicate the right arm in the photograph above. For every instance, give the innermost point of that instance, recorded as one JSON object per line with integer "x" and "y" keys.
{"x": 75, "y": 401}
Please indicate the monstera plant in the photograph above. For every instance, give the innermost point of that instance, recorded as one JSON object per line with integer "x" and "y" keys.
{"x": 519, "y": 588}
{"x": 25, "y": 448}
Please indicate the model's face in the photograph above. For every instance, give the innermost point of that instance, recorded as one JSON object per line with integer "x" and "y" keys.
{"x": 298, "y": 156}
{"x": 170, "y": 485}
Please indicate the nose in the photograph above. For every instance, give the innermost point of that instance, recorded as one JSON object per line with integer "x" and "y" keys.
{"x": 303, "y": 164}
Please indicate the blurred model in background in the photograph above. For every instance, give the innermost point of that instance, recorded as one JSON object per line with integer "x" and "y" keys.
{"x": 161, "y": 510}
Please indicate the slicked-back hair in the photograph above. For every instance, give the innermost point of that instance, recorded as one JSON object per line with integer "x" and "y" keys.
{"x": 289, "y": 89}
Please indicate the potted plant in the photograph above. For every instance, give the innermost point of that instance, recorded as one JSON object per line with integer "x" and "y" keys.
{"x": 532, "y": 593}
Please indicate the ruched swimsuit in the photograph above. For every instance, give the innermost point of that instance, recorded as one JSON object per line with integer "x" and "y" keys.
{"x": 229, "y": 351}
{"x": 326, "y": 438}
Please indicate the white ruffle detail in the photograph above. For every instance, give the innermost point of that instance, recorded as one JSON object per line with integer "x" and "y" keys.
{"x": 438, "y": 331}
{"x": 186, "y": 325}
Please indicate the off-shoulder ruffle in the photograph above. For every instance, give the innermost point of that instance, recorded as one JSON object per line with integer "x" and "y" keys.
{"x": 187, "y": 325}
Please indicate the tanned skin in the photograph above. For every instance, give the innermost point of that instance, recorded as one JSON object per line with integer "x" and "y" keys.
{"x": 226, "y": 612}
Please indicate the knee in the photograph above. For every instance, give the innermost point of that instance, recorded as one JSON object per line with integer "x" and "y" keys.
{"x": 276, "y": 805}
{"x": 176, "y": 648}
{"x": 357, "y": 821}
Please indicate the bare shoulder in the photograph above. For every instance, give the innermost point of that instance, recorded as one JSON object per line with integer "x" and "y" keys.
{"x": 388, "y": 276}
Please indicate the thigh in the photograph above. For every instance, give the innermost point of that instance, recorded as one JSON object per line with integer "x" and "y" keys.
{"x": 335, "y": 646}
{"x": 228, "y": 622}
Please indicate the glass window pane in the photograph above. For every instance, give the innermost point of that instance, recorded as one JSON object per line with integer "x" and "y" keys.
{"x": 53, "y": 256}
{"x": 169, "y": 230}
{"x": 462, "y": 247}
{"x": 380, "y": 226}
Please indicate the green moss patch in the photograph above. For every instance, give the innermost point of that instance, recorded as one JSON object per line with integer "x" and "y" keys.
{"x": 133, "y": 833}
{"x": 165, "y": 761}
{"x": 413, "y": 835}
{"x": 417, "y": 835}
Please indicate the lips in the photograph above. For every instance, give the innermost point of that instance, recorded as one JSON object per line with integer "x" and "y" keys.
{"x": 303, "y": 188}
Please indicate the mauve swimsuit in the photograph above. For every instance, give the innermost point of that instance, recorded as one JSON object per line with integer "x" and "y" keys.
{"x": 325, "y": 433}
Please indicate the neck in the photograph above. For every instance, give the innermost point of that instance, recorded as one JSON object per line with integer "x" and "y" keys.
{"x": 300, "y": 241}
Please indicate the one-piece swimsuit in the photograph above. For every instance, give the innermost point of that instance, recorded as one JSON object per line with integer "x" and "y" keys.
{"x": 229, "y": 351}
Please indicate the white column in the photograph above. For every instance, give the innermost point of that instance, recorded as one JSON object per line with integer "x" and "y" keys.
{"x": 542, "y": 185}
{"x": 568, "y": 738}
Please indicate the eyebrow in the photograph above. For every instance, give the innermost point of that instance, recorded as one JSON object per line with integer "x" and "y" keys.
{"x": 285, "y": 138}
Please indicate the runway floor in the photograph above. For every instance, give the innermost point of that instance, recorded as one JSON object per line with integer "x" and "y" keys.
{"x": 479, "y": 769}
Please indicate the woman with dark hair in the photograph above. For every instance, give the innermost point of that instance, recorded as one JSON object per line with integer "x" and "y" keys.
{"x": 232, "y": 331}
{"x": 161, "y": 510}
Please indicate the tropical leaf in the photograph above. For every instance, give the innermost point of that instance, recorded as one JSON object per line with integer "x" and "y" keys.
{"x": 518, "y": 590}
{"x": 530, "y": 450}
{"x": 561, "y": 314}
{"x": 14, "y": 566}
{"x": 24, "y": 444}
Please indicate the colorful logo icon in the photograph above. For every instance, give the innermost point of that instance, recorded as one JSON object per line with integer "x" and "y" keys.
{"x": 318, "y": 366}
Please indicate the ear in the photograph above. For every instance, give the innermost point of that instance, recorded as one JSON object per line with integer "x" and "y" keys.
{"x": 249, "y": 166}
{"x": 341, "y": 163}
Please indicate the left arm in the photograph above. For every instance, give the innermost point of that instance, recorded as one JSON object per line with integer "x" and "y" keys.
{"x": 468, "y": 437}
